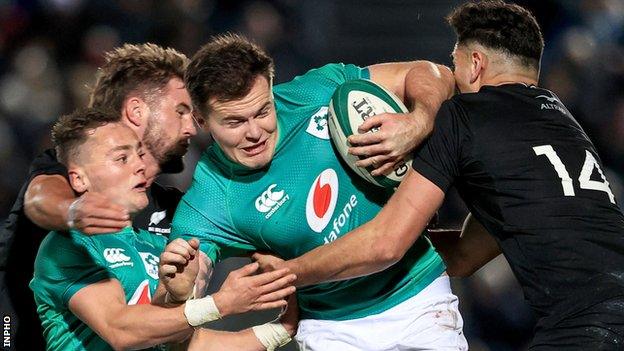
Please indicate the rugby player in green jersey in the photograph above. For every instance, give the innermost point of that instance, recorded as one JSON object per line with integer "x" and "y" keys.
{"x": 272, "y": 182}
{"x": 95, "y": 292}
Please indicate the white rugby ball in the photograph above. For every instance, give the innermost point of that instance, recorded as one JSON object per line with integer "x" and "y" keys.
{"x": 352, "y": 103}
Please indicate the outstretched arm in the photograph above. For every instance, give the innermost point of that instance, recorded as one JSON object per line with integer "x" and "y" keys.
{"x": 50, "y": 203}
{"x": 464, "y": 253}
{"x": 103, "y": 308}
{"x": 423, "y": 86}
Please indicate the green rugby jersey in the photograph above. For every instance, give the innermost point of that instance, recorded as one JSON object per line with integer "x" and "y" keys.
{"x": 305, "y": 198}
{"x": 66, "y": 263}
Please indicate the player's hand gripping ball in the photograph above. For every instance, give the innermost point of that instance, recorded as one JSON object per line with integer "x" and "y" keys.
{"x": 352, "y": 103}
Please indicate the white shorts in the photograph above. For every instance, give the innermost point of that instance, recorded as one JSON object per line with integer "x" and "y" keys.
{"x": 428, "y": 321}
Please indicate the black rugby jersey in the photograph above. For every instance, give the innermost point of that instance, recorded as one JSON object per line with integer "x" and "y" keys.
{"x": 531, "y": 176}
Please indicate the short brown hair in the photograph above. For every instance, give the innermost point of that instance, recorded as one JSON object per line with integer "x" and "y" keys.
{"x": 143, "y": 68}
{"x": 500, "y": 26}
{"x": 225, "y": 68}
{"x": 70, "y": 131}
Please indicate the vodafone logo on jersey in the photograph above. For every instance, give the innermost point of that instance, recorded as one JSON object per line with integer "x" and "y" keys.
{"x": 142, "y": 294}
{"x": 322, "y": 199}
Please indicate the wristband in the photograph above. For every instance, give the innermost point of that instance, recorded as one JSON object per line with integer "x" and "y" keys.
{"x": 70, "y": 218}
{"x": 272, "y": 335}
{"x": 201, "y": 311}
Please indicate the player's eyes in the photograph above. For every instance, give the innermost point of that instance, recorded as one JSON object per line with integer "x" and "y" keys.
{"x": 264, "y": 112}
{"x": 122, "y": 159}
{"x": 234, "y": 123}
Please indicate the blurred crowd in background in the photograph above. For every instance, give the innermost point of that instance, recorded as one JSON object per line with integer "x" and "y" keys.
{"x": 50, "y": 51}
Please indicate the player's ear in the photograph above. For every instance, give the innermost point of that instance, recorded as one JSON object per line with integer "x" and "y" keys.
{"x": 78, "y": 179}
{"x": 136, "y": 110}
{"x": 478, "y": 63}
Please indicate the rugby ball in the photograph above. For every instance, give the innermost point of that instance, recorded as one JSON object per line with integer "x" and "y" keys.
{"x": 352, "y": 103}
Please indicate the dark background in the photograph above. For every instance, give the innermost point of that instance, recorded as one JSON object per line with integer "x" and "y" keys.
{"x": 50, "y": 50}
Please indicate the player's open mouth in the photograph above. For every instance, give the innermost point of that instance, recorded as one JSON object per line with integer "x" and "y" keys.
{"x": 255, "y": 149}
{"x": 141, "y": 187}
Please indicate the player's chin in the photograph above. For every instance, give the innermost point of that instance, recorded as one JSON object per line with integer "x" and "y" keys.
{"x": 138, "y": 203}
{"x": 257, "y": 161}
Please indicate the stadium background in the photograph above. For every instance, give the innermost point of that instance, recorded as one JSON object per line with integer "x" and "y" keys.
{"x": 50, "y": 49}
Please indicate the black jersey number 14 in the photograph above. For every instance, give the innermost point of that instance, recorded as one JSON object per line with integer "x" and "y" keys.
{"x": 584, "y": 178}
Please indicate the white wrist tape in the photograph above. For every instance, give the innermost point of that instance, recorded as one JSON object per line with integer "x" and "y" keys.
{"x": 70, "y": 214}
{"x": 201, "y": 311}
{"x": 271, "y": 335}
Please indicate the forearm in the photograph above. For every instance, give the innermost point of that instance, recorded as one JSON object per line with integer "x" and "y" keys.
{"x": 466, "y": 251}
{"x": 447, "y": 244}
{"x": 377, "y": 244}
{"x": 208, "y": 340}
{"x": 351, "y": 256}
{"x": 427, "y": 85}
{"x": 143, "y": 326}
{"x": 47, "y": 201}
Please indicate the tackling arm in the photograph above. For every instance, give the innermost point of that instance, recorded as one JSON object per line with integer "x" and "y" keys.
{"x": 47, "y": 201}
{"x": 464, "y": 254}
{"x": 50, "y": 203}
{"x": 377, "y": 244}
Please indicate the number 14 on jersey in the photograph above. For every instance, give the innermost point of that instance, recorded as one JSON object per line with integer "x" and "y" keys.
{"x": 584, "y": 178}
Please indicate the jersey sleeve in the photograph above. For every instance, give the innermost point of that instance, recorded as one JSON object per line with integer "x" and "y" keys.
{"x": 217, "y": 237}
{"x": 317, "y": 85}
{"x": 63, "y": 267}
{"x": 46, "y": 163}
{"x": 440, "y": 157}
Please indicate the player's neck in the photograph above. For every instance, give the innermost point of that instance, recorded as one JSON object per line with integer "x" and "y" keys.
{"x": 526, "y": 78}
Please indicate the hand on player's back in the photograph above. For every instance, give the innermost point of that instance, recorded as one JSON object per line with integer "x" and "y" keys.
{"x": 394, "y": 136}
{"x": 178, "y": 268}
{"x": 267, "y": 261}
{"x": 243, "y": 291}
{"x": 93, "y": 213}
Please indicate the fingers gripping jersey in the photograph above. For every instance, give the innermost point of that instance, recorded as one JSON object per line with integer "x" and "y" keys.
{"x": 67, "y": 263}
{"x": 305, "y": 198}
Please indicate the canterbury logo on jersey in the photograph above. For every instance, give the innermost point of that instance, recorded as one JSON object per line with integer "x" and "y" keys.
{"x": 269, "y": 201}
{"x": 116, "y": 257}
{"x": 318, "y": 124}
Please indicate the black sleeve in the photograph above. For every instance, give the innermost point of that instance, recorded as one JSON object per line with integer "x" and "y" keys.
{"x": 46, "y": 163}
{"x": 439, "y": 157}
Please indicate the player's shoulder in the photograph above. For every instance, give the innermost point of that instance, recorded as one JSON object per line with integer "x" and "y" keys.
{"x": 329, "y": 74}
{"x": 470, "y": 107}
{"x": 60, "y": 249}
{"x": 210, "y": 180}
